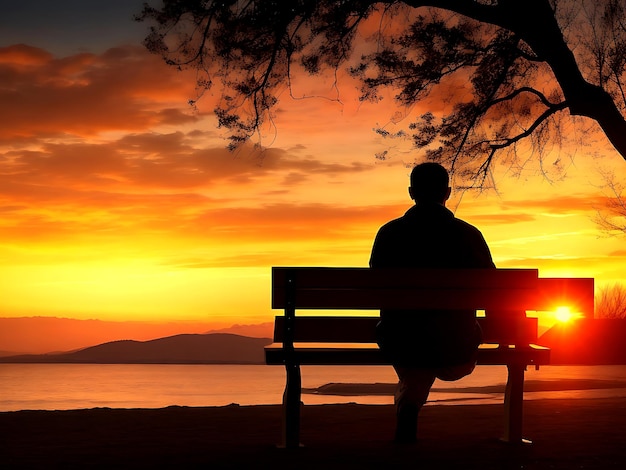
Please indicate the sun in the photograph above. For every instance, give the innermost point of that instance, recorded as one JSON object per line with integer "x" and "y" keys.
{"x": 563, "y": 314}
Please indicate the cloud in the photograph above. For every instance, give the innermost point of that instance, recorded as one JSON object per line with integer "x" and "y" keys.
{"x": 163, "y": 183}
{"x": 293, "y": 221}
{"x": 558, "y": 205}
{"x": 124, "y": 88}
{"x": 85, "y": 155}
{"x": 513, "y": 211}
{"x": 600, "y": 267}
{"x": 347, "y": 253}
{"x": 501, "y": 219}
{"x": 20, "y": 55}
{"x": 151, "y": 161}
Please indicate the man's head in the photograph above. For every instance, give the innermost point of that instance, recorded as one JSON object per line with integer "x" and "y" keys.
{"x": 429, "y": 183}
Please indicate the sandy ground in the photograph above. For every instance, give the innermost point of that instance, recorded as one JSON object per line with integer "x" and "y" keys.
{"x": 566, "y": 434}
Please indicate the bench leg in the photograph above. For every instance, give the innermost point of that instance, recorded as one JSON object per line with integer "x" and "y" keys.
{"x": 291, "y": 407}
{"x": 514, "y": 404}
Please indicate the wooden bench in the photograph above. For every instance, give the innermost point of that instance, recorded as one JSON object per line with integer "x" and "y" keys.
{"x": 504, "y": 296}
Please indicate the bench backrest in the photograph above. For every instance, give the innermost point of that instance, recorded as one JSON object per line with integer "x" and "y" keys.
{"x": 504, "y": 294}
{"x": 479, "y": 289}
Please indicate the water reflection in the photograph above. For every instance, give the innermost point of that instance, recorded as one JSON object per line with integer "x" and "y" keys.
{"x": 73, "y": 386}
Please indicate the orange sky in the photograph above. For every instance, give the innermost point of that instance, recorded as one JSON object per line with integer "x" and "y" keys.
{"x": 120, "y": 202}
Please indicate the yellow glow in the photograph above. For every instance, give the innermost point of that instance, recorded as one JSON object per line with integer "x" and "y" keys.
{"x": 564, "y": 314}
{"x": 144, "y": 291}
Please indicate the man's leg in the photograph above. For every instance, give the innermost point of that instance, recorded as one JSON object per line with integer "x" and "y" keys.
{"x": 453, "y": 373}
{"x": 411, "y": 393}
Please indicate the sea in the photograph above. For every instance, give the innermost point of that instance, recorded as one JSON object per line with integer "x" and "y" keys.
{"x": 80, "y": 386}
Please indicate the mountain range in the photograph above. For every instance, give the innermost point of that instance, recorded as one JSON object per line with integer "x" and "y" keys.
{"x": 214, "y": 348}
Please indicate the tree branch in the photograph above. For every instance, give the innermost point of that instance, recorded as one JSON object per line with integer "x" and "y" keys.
{"x": 553, "y": 109}
{"x": 534, "y": 22}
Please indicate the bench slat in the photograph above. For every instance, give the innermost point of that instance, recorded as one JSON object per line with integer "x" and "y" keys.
{"x": 361, "y": 329}
{"x": 363, "y": 278}
{"x": 355, "y": 354}
{"x": 443, "y": 299}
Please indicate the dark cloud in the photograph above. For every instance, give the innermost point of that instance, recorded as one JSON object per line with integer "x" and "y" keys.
{"x": 122, "y": 89}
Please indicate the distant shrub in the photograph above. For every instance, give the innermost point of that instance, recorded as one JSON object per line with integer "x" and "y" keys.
{"x": 611, "y": 301}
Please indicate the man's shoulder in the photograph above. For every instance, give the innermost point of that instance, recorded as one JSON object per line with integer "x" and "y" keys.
{"x": 393, "y": 223}
{"x": 394, "y": 226}
{"x": 465, "y": 226}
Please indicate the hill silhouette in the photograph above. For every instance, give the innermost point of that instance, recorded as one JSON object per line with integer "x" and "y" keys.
{"x": 216, "y": 348}
{"x": 44, "y": 335}
{"x": 587, "y": 341}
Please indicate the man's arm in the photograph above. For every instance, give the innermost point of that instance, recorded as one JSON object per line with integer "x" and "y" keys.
{"x": 376, "y": 256}
{"x": 384, "y": 253}
{"x": 483, "y": 254}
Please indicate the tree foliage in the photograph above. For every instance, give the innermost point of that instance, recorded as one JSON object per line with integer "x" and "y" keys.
{"x": 510, "y": 68}
{"x": 611, "y": 302}
{"x": 612, "y": 217}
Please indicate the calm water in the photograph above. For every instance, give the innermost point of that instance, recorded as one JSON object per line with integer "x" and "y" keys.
{"x": 74, "y": 386}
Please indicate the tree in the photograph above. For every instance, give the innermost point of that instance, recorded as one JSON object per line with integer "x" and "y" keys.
{"x": 612, "y": 217}
{"x": 515, "y": 66}
{"x": 611, "y": 302}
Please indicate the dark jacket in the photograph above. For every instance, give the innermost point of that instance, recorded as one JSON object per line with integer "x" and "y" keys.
{"x": 429, "y": 236}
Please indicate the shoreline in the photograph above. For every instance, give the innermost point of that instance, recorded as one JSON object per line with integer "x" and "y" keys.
{"x": 532, "y": 385}
{"x": 567, "y": 433}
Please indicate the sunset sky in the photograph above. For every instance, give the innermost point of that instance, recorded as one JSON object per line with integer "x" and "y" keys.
{"x": 120, "y": 202}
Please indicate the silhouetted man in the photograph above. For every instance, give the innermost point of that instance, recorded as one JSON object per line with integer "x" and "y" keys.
{"x": 427, "y": 345}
